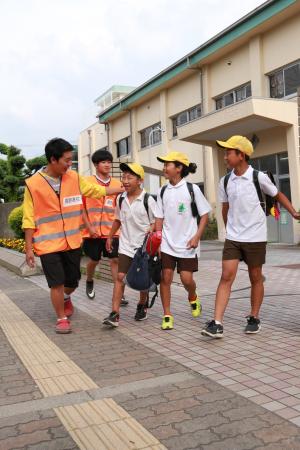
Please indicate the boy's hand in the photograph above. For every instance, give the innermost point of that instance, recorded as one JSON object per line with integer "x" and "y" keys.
{"x": 30, "y": 258}
{"x": 92, "y": 231}
{"x": 108, "y": 244}
{"x": 193, "y": 243}
{"x": 115, "y": 190}
{"x": 296, "y": 215}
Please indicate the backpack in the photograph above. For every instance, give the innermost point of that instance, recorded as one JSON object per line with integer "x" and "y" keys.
{"x": 266, "y": 201}
{"x": 146, "y": 199}
{"x": 144, "y": 273}
{"x": 194, "y": 208}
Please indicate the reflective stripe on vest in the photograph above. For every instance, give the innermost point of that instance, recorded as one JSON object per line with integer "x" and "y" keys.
{"x": 58, "y": 221}
{"x": 100, "y": 214}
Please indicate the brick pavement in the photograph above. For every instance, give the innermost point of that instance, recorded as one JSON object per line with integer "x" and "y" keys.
{"x": 141, "y": 364}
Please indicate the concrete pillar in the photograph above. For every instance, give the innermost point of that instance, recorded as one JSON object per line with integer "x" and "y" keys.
{"x": 164, "y": 121}
{"x": 292, "y": 139}
{"x": 219, "y": 170}
{"x": 135, "y": 137}
{"x": 258, "y": 80}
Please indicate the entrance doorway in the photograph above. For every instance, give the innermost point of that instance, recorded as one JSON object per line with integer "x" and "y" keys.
{"x": 278, "y": 164}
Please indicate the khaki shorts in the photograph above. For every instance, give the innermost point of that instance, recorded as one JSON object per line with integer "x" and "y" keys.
{"x": 124, "y": 262}
{"x": 252, "y": 253}
{"x": 183, "y": 264}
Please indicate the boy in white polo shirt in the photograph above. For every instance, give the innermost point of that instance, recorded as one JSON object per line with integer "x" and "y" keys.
{"x": 136, "y": 217}
{"x": 180, "y": 232}
{"x": 246, "y": 231}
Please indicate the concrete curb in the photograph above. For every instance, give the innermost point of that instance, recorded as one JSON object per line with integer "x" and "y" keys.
{"x": 15, "y": 261}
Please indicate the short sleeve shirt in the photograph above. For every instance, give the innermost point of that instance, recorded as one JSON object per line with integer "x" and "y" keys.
{"x": 135, "y": 222}
{"x": 179, "y": 224}
{"x": 246, "y": 220}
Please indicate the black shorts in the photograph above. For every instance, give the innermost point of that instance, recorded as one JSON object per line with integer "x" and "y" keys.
{"x": 62, "y": 268}
{"x": 95, "y": 248}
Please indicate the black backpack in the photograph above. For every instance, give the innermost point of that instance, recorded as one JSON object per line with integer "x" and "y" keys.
{"x": 194, "y": 208}
{"x": 144, "y": 273}
{"x": 266, "y": 201}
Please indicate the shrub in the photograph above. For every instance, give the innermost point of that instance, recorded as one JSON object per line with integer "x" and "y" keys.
{"x": 13, "y": 244}
{"x": 211, "y": 231}
{"x": 15, "y": 221}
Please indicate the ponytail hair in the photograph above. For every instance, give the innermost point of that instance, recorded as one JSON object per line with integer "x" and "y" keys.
{"x": 191, "y": 168}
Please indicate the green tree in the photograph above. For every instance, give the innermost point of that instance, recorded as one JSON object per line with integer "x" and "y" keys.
{"x": 34, "y": 164}
{"x": 12, "y": 171}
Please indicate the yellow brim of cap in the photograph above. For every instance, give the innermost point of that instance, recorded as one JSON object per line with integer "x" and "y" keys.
{"x": 162, "y": 159}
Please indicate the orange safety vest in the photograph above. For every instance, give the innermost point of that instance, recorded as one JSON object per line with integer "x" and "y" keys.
{"x": 101, "y": 212}
{"x": 58, "y": 218}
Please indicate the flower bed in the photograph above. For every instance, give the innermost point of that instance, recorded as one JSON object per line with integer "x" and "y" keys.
{"x": 13, "y": 244}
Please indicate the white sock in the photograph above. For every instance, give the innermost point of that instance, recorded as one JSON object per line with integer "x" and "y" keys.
{"x": 66, "y": 296}
{"x": 217, "y": 322}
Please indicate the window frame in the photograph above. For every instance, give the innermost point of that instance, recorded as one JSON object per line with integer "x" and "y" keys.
{"x": 188, "y": 113}
{"x": 127, "y": 140}
{"x": 145, "y": 133}
{"x": 281, "y": 72}
{"x": 221, "y": 98}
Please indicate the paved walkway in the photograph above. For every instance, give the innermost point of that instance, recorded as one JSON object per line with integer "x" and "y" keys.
{"x": 138, "y": 387}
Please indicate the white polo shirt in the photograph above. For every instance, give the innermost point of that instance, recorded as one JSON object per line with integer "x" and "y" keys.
{"x": 246, "y": 221}
{"x": 179, "y": 224}
{"x": 134, "y": 222}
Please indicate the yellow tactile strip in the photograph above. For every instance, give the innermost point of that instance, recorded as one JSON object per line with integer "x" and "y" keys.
{"x": 52, "y": 370}
{"x": 104, "y": 425}
{"x": 94, "y": 425}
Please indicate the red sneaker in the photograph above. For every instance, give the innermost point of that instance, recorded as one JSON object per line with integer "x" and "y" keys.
{"x": 63, "y": 326}
{"x": 69, "y": 308}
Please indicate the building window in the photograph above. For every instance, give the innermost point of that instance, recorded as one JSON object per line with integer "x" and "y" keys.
{"x": 75, "y": 158}
{"x": 151, "y": 135}
{"x": 123, "y": 147}
{"x": 285, "y": 82}
{"x": 185, "y": 117}
{"x": 234, "y": 96}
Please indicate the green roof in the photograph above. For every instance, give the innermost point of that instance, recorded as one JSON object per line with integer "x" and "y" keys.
{"x": 247, "y": 23}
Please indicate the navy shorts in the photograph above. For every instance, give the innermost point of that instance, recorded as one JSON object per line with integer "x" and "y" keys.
{"x": 95, "y": 248}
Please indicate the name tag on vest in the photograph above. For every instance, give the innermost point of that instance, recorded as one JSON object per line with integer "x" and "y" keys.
{"x": 72, "y": 201}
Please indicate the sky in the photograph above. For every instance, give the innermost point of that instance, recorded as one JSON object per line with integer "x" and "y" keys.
{"x": 57, "y": 57}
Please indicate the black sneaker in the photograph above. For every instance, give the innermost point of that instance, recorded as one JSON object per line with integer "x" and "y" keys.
{"x": 213, "y": 330}
{"x": 141, "y": 312}
{"x": 124, "y": 302}
{"x": 90, "y": 292}
{"x": 253, "y": 326}
{"x": 112, "y": 319}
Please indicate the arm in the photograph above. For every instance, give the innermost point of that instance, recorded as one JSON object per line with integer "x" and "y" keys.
{"x": 115, "y": 227}
{"x": 284, "y": 201}
{"x": 91, "y": 229}
{"x": 28, "y": 247}
{"x": 193, "y": 243}
{"x": 158, "y": 225}
{"x": 95, "y": 191}
{"x": 225, "y": 208}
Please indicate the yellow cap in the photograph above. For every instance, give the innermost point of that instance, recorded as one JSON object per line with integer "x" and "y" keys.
{"x": 175, "y": 156}
{"x": 133, "y": 167}
{"x": 240, "y": 143}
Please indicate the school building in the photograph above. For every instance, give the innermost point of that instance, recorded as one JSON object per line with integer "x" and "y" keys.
{"x": 242, "y": 81}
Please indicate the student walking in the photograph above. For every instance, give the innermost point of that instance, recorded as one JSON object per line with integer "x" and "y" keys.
{"x": 52, "y": 220}
{"x": 136, "y": 217}
{"x": 246, "y": 230}
{"x": 178, "y": 204}
{"x": 98, "y": 216}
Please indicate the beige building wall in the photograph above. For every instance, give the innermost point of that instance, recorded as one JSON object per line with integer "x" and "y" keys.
{"x": 281, "y": 45}
{"x": 185, "y": 94}
{"x": 229, "y": 71}
{"x": 91, "y": 139}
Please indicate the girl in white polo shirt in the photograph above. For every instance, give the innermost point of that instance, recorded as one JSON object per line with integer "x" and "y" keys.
{"x": 246, "y": 231}
{"x": 180, "y": 232}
